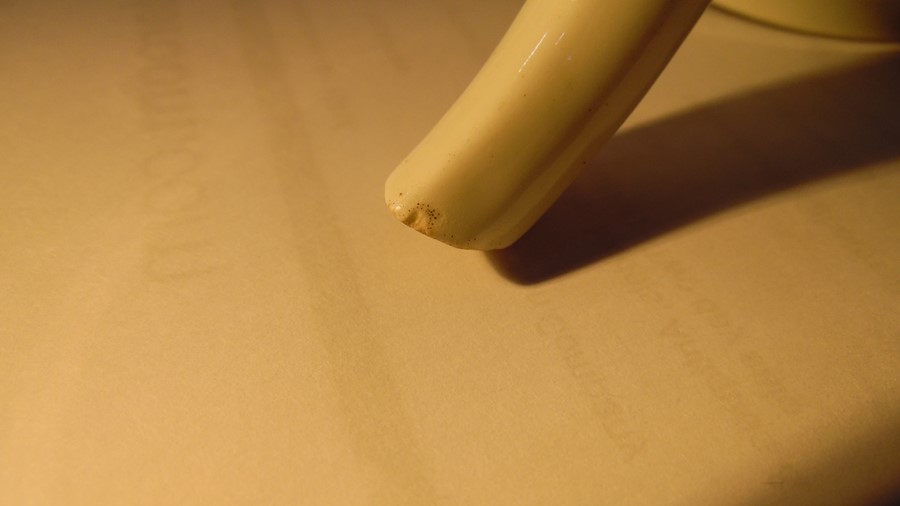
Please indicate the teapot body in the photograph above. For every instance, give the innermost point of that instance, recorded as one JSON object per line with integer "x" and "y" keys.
{"x": 852, "y": 19}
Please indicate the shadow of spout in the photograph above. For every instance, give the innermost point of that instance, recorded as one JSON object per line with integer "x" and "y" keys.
{"x": 659, "y": 177}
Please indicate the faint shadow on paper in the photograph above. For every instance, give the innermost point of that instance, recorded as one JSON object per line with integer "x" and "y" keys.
{"x": 665, "y": 175}
{"x": 861, "y": 470}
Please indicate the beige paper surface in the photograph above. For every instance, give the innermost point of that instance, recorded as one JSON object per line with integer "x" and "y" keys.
{"x": 205, "y": 302}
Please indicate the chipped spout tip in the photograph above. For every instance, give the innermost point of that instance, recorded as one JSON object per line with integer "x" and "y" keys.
{"x": 414, "y": 219}
{"x": 451, "y": 228}
{"x": 429, "y": 221}
{"x": 419, "y": 216}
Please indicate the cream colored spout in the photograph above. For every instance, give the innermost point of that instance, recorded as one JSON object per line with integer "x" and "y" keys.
{"x": 561, "y": 81}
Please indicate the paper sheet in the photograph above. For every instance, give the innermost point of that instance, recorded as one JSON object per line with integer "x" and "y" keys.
{"x": 205, "y": 302}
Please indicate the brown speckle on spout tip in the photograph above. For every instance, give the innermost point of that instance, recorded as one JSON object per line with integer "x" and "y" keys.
{"x": 421, "y": 217}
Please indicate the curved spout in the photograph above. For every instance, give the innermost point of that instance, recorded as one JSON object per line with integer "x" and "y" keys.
{"x": 559, "y": 84}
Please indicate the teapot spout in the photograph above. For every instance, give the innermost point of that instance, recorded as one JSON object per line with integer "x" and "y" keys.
{"x": 559, "y": 84}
